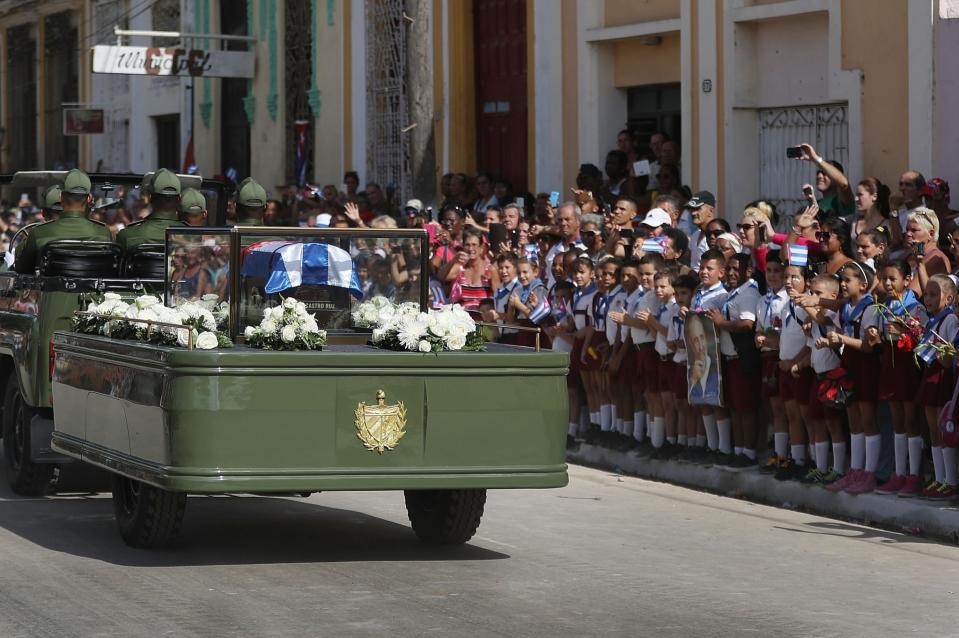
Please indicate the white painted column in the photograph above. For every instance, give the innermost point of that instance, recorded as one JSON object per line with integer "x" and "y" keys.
{"x": 548, "y": 89}
{"x": 445, "y": 37}
{"x": 602, "y": 107}
{"x": 686, "y": 90}
{"x": 921, "y": 116}
{"x": 358, "y": 51}
{"x": 709, "y": 119}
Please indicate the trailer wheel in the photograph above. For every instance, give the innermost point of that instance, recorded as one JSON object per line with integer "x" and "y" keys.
{"x": 445, "y": 517}
{"x": 26, "y": 478}
{"x": 146, "y": 516}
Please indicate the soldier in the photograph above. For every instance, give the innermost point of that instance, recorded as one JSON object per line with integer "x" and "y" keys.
{"x": 193, "y": 208}
{"x": 250, "y": 203}
{"x": 51, "y": 203}
{"x": 164, "y": 200}
{"x": 72, "y": 224}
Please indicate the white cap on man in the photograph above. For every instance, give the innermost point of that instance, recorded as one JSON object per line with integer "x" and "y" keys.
{"x": 657, "y": 217}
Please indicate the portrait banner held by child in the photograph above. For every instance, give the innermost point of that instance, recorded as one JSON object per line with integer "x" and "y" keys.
{"x": 703, "y": 361}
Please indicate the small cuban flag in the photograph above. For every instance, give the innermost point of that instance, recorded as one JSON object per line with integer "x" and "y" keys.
{"x": 541, "y": 311}
{"x": 654, "y": 244}
{"x": 798, "y": 255}
{"x": 287, "y": 264}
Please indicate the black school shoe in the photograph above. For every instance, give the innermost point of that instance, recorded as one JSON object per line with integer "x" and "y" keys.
{"x": 789, "y": 470}
{"x": 742, "y": 463}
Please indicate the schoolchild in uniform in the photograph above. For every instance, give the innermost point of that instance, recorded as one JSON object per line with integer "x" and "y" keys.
{"x": 624, "y": 359}
{"x": 741, "y": 374}
{"x": 506, "y": 267}
{"x": 710, "y": 295}
{"x": 688, "y": 435}
{"x": 769, "y": 326}
{"x": 582, "y": 346}
{"x": 560, "y": 332}
{"x": 528, "y": 304}
{"x": 608, "y": 293}
{"x": 899, "y": 376}
{"x": 938, "y": 380}
{"x": 859, "y": 333}
{"x": 616, "y": 301}
{"x": 664, "y": 430}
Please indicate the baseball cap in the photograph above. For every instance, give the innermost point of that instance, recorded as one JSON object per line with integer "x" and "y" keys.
{"x": 935, "y": 185}
{"x": 51, "y": 198}
{"x": 165, "y": 182}
{"x": 655, "y": 218}
{"x": 415, "y": 204}
{"x": 77, "y": 183}
{"x": 702, "y": 198}
{"x": 251, "y": 195}
{"x": 192, "y": 201}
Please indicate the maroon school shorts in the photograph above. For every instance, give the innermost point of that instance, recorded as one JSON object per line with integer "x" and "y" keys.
{"x": 740, "y": 388}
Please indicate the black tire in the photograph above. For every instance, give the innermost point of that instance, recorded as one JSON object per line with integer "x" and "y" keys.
{"x": 26, "y": 478}
{"x": 146, "y": 516}
{"x": 445, "y": 517}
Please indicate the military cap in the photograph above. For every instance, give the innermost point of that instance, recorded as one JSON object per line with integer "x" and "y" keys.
{"x": 252, "y": 195}
{"x": 244, "y": 182}
{"x": 51, "y": 198}
{"x": 192, "y": 201}
{"x": 165, "y": 182}
{"x": 77, "y": 183}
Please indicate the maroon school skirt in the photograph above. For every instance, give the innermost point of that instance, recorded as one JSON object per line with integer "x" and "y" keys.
{"x": 770, "y": 380}
{"x": 678, "y": 380}
{"x": 899, "y": 376}
{"x": 862, "y": 368}
{"x": 796, "y": 388}
{"x": 816, "y": 408}
{"x": 593, "y": 358}
{"x": 647, "y": 362}
{"x": 936, "y": 387}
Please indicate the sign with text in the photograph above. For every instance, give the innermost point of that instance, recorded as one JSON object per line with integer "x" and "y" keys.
{"x": 81, "y": 121}
{"x": 166, "y": 61}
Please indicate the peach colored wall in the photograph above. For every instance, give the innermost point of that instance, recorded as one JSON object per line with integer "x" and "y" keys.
{"x": 619, "y": 12}
{"x": 637, "y": 64}
{"x": 570, "y": 94}
{"x": 874, "y": 39}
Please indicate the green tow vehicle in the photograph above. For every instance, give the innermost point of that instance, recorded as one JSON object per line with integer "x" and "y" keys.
{"x": 168, "y": 421}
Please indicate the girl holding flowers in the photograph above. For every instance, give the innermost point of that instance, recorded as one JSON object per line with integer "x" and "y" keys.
{"x": 902, "y": 318}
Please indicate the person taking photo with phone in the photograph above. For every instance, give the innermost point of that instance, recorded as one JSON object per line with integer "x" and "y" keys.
{"x": 831, "y": 182}
{"x": 923, "y": 254}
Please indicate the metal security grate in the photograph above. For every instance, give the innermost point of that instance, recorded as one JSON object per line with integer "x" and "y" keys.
{"x": 388, "y": 154}
{"x": 781, "y": 178}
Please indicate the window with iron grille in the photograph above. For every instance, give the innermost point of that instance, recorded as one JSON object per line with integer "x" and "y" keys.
{"x": 781, "y": 178}
{"x": 61, "y": 74}
{"x": 299, "y": 49}
{"x": 22, "y": 98}
{"x": 165, "y": 16}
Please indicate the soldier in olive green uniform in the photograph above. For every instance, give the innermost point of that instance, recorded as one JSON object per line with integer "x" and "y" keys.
{"x": 193, "y": 208}
{"x": 51, "y": 203}
{"x": 164, "y": 199}
{"x": 72, "y": 224}
{"x": 250, "y": 203}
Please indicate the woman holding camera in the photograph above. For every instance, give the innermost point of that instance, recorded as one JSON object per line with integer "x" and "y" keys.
{"x": 924, "y": 256}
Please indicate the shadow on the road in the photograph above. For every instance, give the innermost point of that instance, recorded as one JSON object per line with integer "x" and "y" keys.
{"x": 225, "y": 530}
{"x": 859, "y": 532}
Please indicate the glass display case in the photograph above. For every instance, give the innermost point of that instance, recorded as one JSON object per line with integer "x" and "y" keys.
{"x": 330, "y": 270}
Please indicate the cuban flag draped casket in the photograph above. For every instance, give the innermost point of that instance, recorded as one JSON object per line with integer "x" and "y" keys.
{"x": 286, "y": 264}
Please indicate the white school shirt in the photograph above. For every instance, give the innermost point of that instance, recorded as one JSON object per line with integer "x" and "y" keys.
{"x": 918, "y": 312}
{"x": 676, "y": 333}
{"x": 949, "y": 328}
{"x": 668, "y": 310}
{"x": 632, "y": 302}
{"x": 769, "y": 312}
{"x": 709, "y": 299}
{"x": 740, "y": 304}
{"x": 501, "y": 301}
{"x": 648, "y": 302}
{"x": 583, "y": 308}
{"x": 823, "y": 360}
{"x": 616, "y": 303}
{"x": 560, "y": 343}
{"x": 792, "y": 339}
{"x": 868, "y": 317}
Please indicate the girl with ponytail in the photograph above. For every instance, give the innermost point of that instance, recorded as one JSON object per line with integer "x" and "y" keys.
{"x": 872, "y": 211}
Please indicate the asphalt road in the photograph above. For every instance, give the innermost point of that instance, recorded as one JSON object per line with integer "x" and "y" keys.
{"x": 606, "y": 556}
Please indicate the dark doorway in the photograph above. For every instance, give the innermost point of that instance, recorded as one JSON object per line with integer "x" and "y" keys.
{"x": 234, "y": 127}
{"x": 22, "y": 92}
{"x": 501, "y": 105}
{"x": 654, "y": 108}
{"x": 299, "y": 70}
{"x": 168, "y": 141}
{"x": 60, "y": 85}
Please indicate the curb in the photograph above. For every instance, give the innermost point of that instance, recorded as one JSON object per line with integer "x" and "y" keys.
{"x": 906, "y": 515}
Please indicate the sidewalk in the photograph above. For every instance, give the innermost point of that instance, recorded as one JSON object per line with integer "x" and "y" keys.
{"x": 909, "y": 515}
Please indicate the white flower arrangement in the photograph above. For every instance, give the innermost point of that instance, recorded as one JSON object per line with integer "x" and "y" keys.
{"x": 403, "y": 327}
{"x": 286, "y": 327}
{"x": 111, "y": 317}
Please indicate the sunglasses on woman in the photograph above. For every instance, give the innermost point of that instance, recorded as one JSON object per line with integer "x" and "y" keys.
{"x": 823, "y": 236}
{"x": 745, "y": 227}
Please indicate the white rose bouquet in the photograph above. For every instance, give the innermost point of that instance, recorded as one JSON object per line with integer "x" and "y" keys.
{"x": 404, "y": 327}
{"x": 111, "y": 317}
{"x": 286, "y": 327}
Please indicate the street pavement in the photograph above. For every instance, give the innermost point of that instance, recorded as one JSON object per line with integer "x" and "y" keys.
{"x": 606, "y": 556}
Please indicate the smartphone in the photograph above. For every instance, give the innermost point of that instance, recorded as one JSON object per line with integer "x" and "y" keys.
{"x": 793, "y": 152}
{"x": 521, "y": 202}
{"x": 920, "y": 247}
{"x": 497, "y": 235}
{"x": 554, "y": 199}
{"x": 514, "y": 238}
{"x": 626, "y": 233}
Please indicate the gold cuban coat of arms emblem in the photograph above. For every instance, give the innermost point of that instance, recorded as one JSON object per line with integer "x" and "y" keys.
{"x": 380, "y": 427}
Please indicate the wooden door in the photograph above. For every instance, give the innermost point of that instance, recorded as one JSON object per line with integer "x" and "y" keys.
{"x": 501, "y": 105}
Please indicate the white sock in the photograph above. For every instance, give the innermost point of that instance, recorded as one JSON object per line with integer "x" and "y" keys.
{"x": 750, "y": 454}
{"x": 839, "y": 457}
{"x": 901, "y": 453}
{"x": 798, "y": 452}
{"x": 949, "y": 455}
{"x": 618, "y": 426}
{"x": 605, "y": 418}
{"x": 671, "y": 440}
{"x": 681, "y": 439}
{"x": 737, "y": 451}
{"x": 781, "y": 444}
{"x": 822, "y": 456}
{"x": 915, "y": 454}
{"x": 573, "y": 429}
{"x": 725, "y": 427}
{"x": 639, "y": 425}
{"x": 712, "y": 433}
{"x": 937, "y": 464}
{"x": 858, "y": 456}
{"x": 873, "y": 445}
{"x": 700, "y": 440}
{"x": 658, "y": 432}
{"x": 614, "y": 412}
{"x": 593, "y": 417}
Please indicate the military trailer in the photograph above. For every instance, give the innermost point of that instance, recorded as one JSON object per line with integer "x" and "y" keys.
{"x": 168, "y": 421}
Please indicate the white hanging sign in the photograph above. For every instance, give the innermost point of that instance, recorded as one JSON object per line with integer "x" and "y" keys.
{"x": 127, "y": 60}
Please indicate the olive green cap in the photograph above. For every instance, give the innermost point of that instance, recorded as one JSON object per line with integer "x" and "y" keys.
{"x": 165, "y": 182}
{"x": 77, "y": 183}
{"x": 192, "y": 201}
{"x": 252, "y": 195}
{"x": 244, "y": 182}
{"x": 51, "y": 198}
